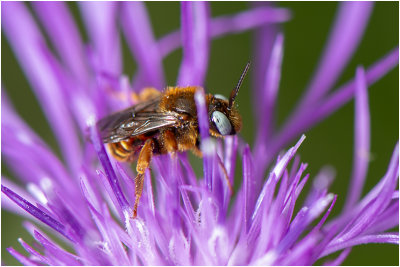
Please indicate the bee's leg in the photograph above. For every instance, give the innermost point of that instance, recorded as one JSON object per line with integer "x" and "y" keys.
{"x": 144, "y": 95}
{"x": 143, "y": 163}
{"x": 168, "y": 141}
{"x": 147, "y": 94}
{"x": 221, "y": 164}
{"x": 196, "y": 149}
{"x": 197, "y": 152}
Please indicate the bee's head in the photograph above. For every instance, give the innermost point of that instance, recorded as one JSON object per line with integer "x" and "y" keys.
{"x": 224, "y": 118}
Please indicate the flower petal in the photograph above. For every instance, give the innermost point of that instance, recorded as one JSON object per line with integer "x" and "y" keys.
{"x": 347, "y": 91}
{"x": 60, "y": 26}
{"x": 235, "y": 23}
{"x": 301, "y": 121}
{"x": 21, "y": 146}
{"x": 28, "y": 45}
{"x": 365, "y": 214}
{"x": 391, "y": 238}
{"x": 57, "y": 255}
{"x": 266, "y": 98}
{"x": 21, "y": 258}
{"x": 350, "y": 24}
{"x": 101, "y": 23}
{"x": 338, "y": 261}
{"x": 207, "y": 145}
{"x": 39, "y": 214}
{"x": 361, "y": 140}
{"x": 34, "y": 253}
{"x": 105, "y": 162}
{"x": 249, "y": 186}
{"x": 139, "y": 35}
{"x": 195, "y": 36}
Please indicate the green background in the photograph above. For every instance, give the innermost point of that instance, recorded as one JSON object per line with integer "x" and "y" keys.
{"x": 329, "y": 143}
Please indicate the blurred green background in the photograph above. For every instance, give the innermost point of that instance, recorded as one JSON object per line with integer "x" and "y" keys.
{"x": 329, "y": 143}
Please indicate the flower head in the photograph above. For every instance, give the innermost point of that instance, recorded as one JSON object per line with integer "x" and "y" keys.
{"x": 85, "y": 199}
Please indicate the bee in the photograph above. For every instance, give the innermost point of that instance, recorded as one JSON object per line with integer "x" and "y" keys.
{"x": 166, "y": 122}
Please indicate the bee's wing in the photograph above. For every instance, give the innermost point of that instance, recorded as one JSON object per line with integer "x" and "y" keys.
{"x": 136, "y": 120}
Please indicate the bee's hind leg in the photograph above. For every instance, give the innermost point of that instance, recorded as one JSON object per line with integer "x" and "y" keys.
{"x": 145, "y": 155}
{"x": 144, "y": 95}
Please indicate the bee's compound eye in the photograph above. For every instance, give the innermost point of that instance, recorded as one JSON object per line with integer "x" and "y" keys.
{"x": 218, "y": 96}
{"x": 221, "y": 122}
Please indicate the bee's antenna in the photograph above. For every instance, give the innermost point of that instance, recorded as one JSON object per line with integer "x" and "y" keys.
{"x": 236, "y": 89}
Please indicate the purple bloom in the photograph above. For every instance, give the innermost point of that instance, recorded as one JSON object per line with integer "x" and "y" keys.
{"x": 86, "y": 198}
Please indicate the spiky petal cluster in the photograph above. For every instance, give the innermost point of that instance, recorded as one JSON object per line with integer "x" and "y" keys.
{"x": 87, "y": 201}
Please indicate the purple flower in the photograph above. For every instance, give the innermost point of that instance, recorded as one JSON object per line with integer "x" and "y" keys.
{"x": 85, "y": 198}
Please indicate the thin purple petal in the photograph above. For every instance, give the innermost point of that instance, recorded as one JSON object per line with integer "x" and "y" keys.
{"x": 292, "y": 196}
{"x": 137, "y": 29}
{"x": 391, "y": 238}
{"x": 63, "y": 32}
{"x": 231, "y": 146}
{"x": 299, "y": 122}
{"x": 271, "y": 87}
{"x": 236, "y": 23}
{"x": 249, "y": 186}
{"x": 322, "y": 221}
{"x": 72, "y": 221}
{"x": 8, "y": 204}
{"x": 338, "y": 261}
{"x": 346, "y": 92}
{"x": 266, "y": 100}
{"x": 101, "y": 23}
{"x": 105, "y": 162}
{"x": 191, "y": 176}
{"x": 366, "y": 217}
{"x": 28, "y": 45}
{"x": 21, "y": 258}
{"x": 248, "y": 20}
{"x": 77, "y": 97}
{"x": 392, "y": 175}
{"x": 361, "y": 140}
{"x": 350, "y": 24}
{"x": 302, "y": 220}
{"x": 265, "y": 198}
{"x": 264, "y": 40}
{"x": 40, "y": 215}
{"x": 195, "y": 36}
{"x": 21, "y": 144}
{"x": 277, "y": 173}
{"x": 207, "y": 145}
{"x": 301, "y": 253}
{"x": 386, "y": 220}
{"x": 33, "y": 252}
{"x": 56, "y": 254}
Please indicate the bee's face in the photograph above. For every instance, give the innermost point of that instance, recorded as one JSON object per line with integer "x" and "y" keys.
{"x": 223, "y": 117}
{"x": 223, "y": 121}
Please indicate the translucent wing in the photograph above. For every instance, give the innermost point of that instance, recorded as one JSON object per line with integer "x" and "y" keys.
{"x": 139, "y": 119}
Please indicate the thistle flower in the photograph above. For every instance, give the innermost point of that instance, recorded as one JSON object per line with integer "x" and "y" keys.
{"x": 85, "y": 198}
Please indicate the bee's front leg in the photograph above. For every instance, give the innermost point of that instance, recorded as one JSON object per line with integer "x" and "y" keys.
{"x": 168, "y": 142}
{"x": 145, "y": 155}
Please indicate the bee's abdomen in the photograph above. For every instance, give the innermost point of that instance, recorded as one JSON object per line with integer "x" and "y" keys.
{"x": 119, "y": 151}
{"x": 128, "y": 150}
